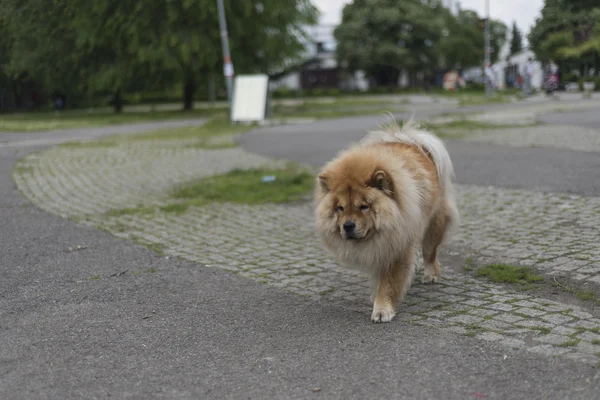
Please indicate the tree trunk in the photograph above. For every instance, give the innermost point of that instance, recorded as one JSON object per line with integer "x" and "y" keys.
{"x": 118, "y": 102}
{"x": 188, "y": 94}
{"x": 18, "y": 99}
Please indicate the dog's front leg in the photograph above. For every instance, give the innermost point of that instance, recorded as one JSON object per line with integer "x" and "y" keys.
{"x": 391, "y": 287}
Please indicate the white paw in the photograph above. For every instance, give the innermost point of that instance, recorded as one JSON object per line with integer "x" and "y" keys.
{"x": 430, "y": 278}
{"x": 383, "y": 315}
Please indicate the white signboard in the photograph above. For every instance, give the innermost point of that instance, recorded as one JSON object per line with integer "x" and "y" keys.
{"x": 249, "y": 101}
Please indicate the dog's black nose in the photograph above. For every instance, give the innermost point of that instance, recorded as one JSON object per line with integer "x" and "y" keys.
{"x": 349, "y": 226}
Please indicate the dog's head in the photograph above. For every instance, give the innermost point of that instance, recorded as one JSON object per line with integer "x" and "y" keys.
{"x": 354, "y": 199}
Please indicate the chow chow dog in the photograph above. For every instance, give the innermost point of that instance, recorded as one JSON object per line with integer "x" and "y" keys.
{"x": 379, "y": 200}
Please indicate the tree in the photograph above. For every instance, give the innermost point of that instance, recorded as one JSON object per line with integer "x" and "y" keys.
{"x": 568, "y": 31}
{"x": 462, "y": 44}
{"x": 498, "y": 33}
{"x": 516, "y": 39}
{"x": 112, "y": 46}
{"x": 184, "y": 37}
{"x": 382, "y": 37}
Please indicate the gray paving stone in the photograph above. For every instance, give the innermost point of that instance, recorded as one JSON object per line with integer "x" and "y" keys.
{"x": 532, "y": 312}
{"x": 552, "y": 339}
{"x": 557, "y": 318}
{"x": 514, "y": 343}
{"x": 549, "y": 350}
{"x": 490, "y": 336}
{"x": 511, "y": 318}
{"x": 500, "y": 307}
{"x": 545, "y": 231}
{"x": 465, "y": 319}
{"x": 563, "y": 330}
{"x": 476, "y": 303}
{"x": 587, "y": 348}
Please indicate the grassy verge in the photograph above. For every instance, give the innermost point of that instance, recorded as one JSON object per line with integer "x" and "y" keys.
{"x": 459, "y": 128}
{"x": 503, "y": 273}
{"x": 465, "y": 124}
{"x": 254, "y": 186}
{"x": 216, "y": 133}
{"x": 336, "y": 109}
{"x": 475, "y": 100}
{"x": 44, "y": 121}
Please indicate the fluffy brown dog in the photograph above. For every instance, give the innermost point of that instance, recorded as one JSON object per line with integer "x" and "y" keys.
{"x": 381, "y": 199}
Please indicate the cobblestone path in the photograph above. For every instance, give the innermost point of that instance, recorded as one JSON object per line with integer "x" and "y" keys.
{"x": 275, "y": 244}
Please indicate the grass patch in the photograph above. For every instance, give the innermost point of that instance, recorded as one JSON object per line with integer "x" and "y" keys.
{"x": 502, "y": 273}
{"x": 473, "y": 329}
{"x": 174, "y": 208}
{"x": 544, "y": 330}
{"x": 459, "y": 128}
{"x": 145, "y": 271}
{"x": 22, "y": 169}
{"x": 128, "y": 211}
{"x": 585, "y": 295}
{"x": 203, "y": 135}
{"x": 595, "y": 330}
{"x": 86, "y": 145}
{"x": 466, "y": 124}
{"x": 44, "y": 121}
{"x": 333, "y": 110}
{"x": 93, "y": 278}
{"x": 469, "y": 265}
{"x": 473, "y": 100}
{"x": 596, "y": 341}
{"x": 578, "y": 331}
{"x": 246, "y": 186}
{"x": 568, "y": 343}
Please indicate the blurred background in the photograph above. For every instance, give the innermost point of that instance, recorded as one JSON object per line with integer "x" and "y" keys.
{"x": 107, "y": 53}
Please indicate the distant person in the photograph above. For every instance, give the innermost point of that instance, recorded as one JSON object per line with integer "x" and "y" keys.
{"x": 528, "y": 76}
{"x": 490, "y": 76}
{"x": 552, "y": 78}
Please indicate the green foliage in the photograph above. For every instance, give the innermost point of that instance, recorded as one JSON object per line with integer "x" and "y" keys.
{"x": 567, "y": 29}
{"x": 382, "y": 37}
{"x": 112, "y": 45}
{"x": 516, "y": 39}
{"x": 462, "y": 42}
{"x": 498, "y": 32}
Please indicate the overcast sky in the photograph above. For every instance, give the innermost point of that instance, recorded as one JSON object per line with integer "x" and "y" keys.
{"x": 524, "y": 12}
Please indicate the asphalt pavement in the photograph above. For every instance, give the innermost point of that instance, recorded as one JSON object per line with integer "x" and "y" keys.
{"x": 543, "y": 169}
{"x": 86, "y": 315}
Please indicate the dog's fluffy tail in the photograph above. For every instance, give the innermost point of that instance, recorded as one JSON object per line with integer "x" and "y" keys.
{"x": 413, "y": 134}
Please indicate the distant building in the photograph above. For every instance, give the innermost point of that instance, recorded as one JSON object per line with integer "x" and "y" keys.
{"x": 509, "y": 67}
{"x": 320, "y": 70}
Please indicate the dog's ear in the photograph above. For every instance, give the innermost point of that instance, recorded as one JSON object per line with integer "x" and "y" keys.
{"x": 382, "y": 182}
{"x": 323, "y": 182}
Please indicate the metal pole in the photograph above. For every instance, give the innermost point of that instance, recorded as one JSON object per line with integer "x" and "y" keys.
{"x": 227, "y": 64}
{"x": 487, "y": 47}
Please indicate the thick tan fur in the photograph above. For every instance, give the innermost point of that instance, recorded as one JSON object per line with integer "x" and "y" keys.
{"x": 378, "y": 201}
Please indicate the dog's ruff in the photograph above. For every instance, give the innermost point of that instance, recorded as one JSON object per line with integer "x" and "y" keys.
{"x": 395, "y": 185}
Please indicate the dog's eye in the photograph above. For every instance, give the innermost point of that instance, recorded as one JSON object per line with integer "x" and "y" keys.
{"x": 340, "y": 208}
{"x": 364, "y": 207}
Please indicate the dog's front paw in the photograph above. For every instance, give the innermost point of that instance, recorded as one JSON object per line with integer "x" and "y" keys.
{"x": 430, "y": 279}
{"x": 432, "y": 273}
{"x": 383, "y": 314}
